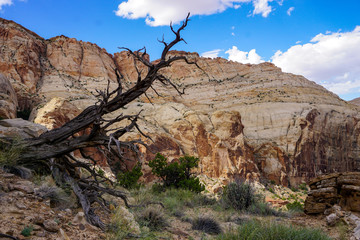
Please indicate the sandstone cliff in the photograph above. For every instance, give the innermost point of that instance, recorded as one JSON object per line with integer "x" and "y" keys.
{"x": 8, "y": 99}
{"x": 355, "y": 101}
{"x": 243, "y": 120}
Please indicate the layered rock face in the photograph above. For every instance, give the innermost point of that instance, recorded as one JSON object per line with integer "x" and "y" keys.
{"x": 244, "y": 120}
{"x": 21, "y": 57}
{"x": 8, "y": 99}
{"x": 331, "y": 189}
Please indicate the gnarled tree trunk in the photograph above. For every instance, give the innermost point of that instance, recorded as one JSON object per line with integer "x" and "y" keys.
{"x": 53, "y": 149}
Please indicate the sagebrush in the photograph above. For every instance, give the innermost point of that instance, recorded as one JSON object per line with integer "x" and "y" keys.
{"x": 239, "y": 195}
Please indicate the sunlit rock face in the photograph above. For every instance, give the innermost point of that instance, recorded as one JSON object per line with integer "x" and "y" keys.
{"x": 21, "y": 57}
{"x": 241, "y": 120}
{"x": 8, "y": 99}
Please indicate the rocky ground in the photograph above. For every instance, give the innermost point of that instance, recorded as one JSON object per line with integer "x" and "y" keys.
{"x": 21, "y": 210}
{"x": 24, "y": 207}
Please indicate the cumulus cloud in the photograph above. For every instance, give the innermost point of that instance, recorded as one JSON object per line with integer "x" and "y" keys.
{"x": 243, "y": 57}
{"x": 330, "y": 59}
{"x": 162, "y": 12}
{"x": 262, "y": 7}
{"x": 289, "y": 11}
{"x": 5, "y": 2}
{"x": 212, "y": 53}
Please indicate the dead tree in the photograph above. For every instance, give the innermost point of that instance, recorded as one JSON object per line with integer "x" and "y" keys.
{"x": 53, "y": 149}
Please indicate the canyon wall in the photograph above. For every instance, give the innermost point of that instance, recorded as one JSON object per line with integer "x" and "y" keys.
{"x": 251, "y": 121}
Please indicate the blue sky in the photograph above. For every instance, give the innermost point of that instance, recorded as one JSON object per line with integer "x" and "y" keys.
{"x": 315, "y": 38}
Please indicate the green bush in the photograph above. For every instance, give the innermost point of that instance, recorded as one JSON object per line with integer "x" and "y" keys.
{"x": 130, "y": 179}
{"x": 303, "y": 187}
{"x": 206, "y": 224}
{"x": 26, "y": 232}
{"x": 176, "y": 174}
{"x": 295, "y": 206}
{"x": 255, "y": 230}
{"x": 239, "y": 195}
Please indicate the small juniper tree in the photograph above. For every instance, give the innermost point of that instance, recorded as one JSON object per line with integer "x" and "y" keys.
{"x": 176, "y": 174}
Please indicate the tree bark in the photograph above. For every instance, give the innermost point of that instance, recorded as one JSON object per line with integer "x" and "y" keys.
{"x": 53, "y": 149}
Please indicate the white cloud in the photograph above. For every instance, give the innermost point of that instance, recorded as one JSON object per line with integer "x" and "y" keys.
{"x": 232, "y": 34}
{"x": 262, "y": 7}
{"x": 289, "y": 11}
{"x": 243, "y": 57}
{"x": 280, "y": 2}
{"x": 162, "y": 12}
{"x": 346, "y": 87}
{"x": 331, "y": 59}
{"x": 5, "y": 2}
{"x": 212, "y": 53}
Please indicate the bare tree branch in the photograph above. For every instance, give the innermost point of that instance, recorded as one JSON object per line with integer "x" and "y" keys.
{"x": 54, "y": 149}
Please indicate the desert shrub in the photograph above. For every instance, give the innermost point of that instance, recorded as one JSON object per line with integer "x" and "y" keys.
{"x": 203, "y": 200}
{"x": 239, "y": 195}
{"x": 157, "y": 188}
{"x": 130, "y": 179}
{"x": 295, "y": 206}
{"x": 303, "y": 187}
{"x": 192, "y": 184}
{"x": 175, "y": 199}
{"x": 153, "y": 217}
{"x": 26, "y": 232}
{"x": 176, "y": 174}
{"x": 9, "y": 152}
{"x": 179, "y": 213}
{"x": 60, "y": 198}
{"x": 206, "y": 224}
{"x": 255, "y": 230}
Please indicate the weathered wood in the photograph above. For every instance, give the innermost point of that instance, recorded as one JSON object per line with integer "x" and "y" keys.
{"x": 52, "y": 149}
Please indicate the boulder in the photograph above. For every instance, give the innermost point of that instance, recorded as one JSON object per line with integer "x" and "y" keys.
{"x": 125, "y": 222}
{"x": 20, "y": 128}
{"x": 51, "y": 226}
{"x": 332, "y": 219}
{"x": 331, "y": 189}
